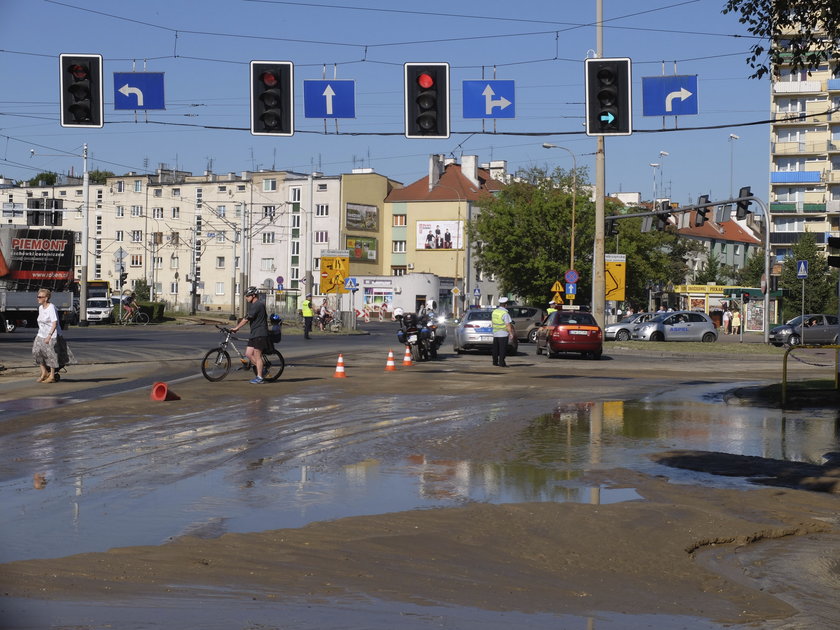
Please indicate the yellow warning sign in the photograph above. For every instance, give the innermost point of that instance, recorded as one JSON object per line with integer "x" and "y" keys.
{"x": 558, "y": 287}
{"x": 334, "y": 269}
{"x": 615, "y": 280}
{"x": 558, "y": 298}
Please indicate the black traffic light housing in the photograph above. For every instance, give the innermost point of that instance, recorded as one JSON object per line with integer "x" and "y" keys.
{"x": 82, "y": 103}
{"x": 609, "y": 98}
{"x": 611, "y": 227}
{"x": 834, "y": 243}
{"x": 426, "y": 90}
{"x": 123, "y": 277}
{"x": 742, "y": 208}
{"x": 272, "y": 98}
{"x": 745, "y": 298}
{"x": 663, "y": 214}
{"x": 702, "y": 210}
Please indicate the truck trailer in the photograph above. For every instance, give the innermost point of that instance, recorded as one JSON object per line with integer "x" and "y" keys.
{"x": 34, "y": 258}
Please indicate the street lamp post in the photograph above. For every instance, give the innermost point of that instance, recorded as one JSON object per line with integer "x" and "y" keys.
{"x": 548, "y": 145}
{"x": 654, "y": 166}
{"x": 732, "y": 139}
{"x": 663, "y": 189}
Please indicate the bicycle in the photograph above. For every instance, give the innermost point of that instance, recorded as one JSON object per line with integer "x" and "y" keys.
{"x": 216, "y": 363}
{"x": 333, "y": 324}
{"x": 136, "y": 317}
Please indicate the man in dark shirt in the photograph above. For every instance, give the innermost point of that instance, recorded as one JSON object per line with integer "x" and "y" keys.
{"x": 258, "y": 339}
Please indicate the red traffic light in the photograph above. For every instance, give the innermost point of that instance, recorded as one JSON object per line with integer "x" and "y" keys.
{"x": 270, "y": 79}
{"x": 80, "y": 72}
{"x": 425, "y": 80}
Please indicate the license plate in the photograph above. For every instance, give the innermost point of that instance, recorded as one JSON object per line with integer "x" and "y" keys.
{"x": 485, "y": 329}
{"x": 486, "y": 338}
{"x": 412, "y": 338}
{"x": 578, "y": 332}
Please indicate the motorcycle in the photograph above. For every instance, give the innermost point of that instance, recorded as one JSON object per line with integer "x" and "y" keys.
{"x": 422, "y": 334}
{"x": 433, "y": 328}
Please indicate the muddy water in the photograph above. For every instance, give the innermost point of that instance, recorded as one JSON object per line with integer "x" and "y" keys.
{"x": 118, "y": 480}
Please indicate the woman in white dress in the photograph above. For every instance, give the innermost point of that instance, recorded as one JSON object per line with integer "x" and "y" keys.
{"x": 49, "y": 348}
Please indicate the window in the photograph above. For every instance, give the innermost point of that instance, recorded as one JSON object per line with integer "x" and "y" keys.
{"x": 136, "y": 236}
{"x": 120, "y": 186}
{"x": 295, "y": 220}
{"x": 737, "y": 249}
{"x": 198, "y": 223}
{"x": 176, "y": 192}
{"x": 137, "y": 211}
{"x": 99, "y": 224}
{"x": 322, "y": 187}
{"x": 238, "y": 211}
{"x": 266, "y": 264}
{"x": 322, "y": 210}
{"x": 294, "y": 273}
{"x": 220, "y": 262}
{"x": 220, "y": 288}
{"x": 240, "y": 188}
{"x": 400, "y": 220}
{"x": 268, "y": 237}
{"x": 173, "y": 288}
{"x": 157, "y": 262}
{"x": 316, "y": 263}
{"x": 789, "y": 225}
{"x": 120, "y": 211}
{"x": 157, "y": 213}
{"x": 222, "y": 188}
{"x": 294, "y": 248}
{"x": 176, "y": 212}
{"x": 220, "y": 211}
{"x": 322, "y": 236}
{"x": 398, "y": 271}
{"x": 294, "y": 193}
{"x": 268, "y": 212}
{"x": 119, "y": 236}
{"x": 136, "y": 260}
{"x": 138, "y": 185}
{"x": 97, "y": 271}
{"x": 173, "y": 261}
{"x": 158, "y": 192}
{"x": 174, "y": 238}
{"x": 269, "y": 185}
{"x": 97, "y": 247}
{"x": 398, "y": 247}
{"x": 221, "y": 236}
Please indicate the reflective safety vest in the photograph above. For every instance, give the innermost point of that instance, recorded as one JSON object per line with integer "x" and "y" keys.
{"x": 549, "y": 311}
{"x": 498, "y": 319}
{"x": 306, "y": 308}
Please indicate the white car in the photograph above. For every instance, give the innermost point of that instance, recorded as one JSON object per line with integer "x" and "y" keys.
{"x": 99, "y": 310}
{"x": 677, "y": 326}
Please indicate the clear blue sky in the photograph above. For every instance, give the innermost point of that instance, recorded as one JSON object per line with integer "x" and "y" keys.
{"x": 204, "y": 48}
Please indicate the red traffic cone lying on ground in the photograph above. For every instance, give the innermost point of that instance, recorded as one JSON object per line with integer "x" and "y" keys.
{"x": 407, "y": 357}
{"x": 339, "y": 368}
{"x": 161, "y": 391}
{"x": 390, "y": 366}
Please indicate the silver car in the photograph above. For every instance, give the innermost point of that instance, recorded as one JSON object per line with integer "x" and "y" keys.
{"x": 819, "y": 329}
{"x": 623, "y": 330}
{"x": 677, "y": 326}
{"x": 475, "y": 332}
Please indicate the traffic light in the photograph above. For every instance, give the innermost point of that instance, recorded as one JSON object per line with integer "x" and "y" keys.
{"x": 426, "y": 88}
{"x": 81, "y": 90}
{"x": 663, "y": 214}
{"x": 742, "y": 208}
{"x": 700, "y": 216}
{"x": 611, "y": 227}
{"x": 609, "y": 102}
{"x": 834, "y": 243}
{"x": 745, "y": 298}
{"x": 123, "y": 278}
{"x": 272, "y": 98}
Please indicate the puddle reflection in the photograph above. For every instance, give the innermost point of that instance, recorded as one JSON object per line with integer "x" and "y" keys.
{"x": 278, "y": 464}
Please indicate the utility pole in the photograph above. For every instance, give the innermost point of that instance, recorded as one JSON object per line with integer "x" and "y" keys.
{"x": 598, "y": 279}
{"x": 83, "y": 288}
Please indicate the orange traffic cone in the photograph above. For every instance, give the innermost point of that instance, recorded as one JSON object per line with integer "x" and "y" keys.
{"x": 339, "y": 368}
{"x": 407, "y": 357}
{"x": 161, "y": 391}
{"x": 390, "y": 366}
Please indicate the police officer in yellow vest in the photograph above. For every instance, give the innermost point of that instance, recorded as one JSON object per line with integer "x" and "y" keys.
{"x": 502, "y": 331}
{"x": 306, "y": 311}
{"x": 552, "y": 308}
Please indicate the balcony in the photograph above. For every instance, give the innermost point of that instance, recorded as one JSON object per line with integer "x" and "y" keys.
{"x": 801, "y": 148}
{"x": 789, "y": 238}
{"x": 813, "y": 208}
{"x": 832, "y": 177}
{"x": 801, "y": 118}
{"x": 833, "y": 85}
{"x": 784, "y": 207}
{"x": 795, "y": 177}
{"x": 832, "y": 205}
{"x": 797, "y": 87}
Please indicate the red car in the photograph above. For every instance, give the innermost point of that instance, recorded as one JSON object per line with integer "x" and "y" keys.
{"x": 570, "y": 331}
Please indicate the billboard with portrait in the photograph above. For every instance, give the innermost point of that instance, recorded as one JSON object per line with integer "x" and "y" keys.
{"x": 362, "y": 248}
{"x": 446, "y": 235}
{"x": 362, "y": 217}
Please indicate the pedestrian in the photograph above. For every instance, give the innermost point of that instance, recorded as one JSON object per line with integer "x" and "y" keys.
{"x": 502, "y": 331}
{"x": 727, "y": 321}
{"x": 49, "y": 349}
{"x": 552, "y": 308}
{"x": 258, "y": 339}
{"x": 306, "y": 311}
{"x": 736, "y": 322}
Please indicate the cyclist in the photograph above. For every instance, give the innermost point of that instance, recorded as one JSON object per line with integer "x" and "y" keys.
{"x": 324, "y": 315}
{"x": 129, "y": 304}
{"x": 258, "y": 339}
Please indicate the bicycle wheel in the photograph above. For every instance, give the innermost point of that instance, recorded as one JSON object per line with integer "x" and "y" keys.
{"x": 216, "y": 365}
{"x": 142, "y": 318}
{"x": 335, "y": 325}
{"x": 273, "y": 365}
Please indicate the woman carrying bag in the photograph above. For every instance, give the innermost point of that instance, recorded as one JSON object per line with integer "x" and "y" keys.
{"x": 49, "y": 349}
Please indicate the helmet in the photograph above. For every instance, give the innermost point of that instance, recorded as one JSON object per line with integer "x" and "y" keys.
{"x": 275, "y": 318}
{"x": 251, "y": 291}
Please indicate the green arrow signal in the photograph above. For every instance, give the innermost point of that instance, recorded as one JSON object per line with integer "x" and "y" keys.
{"x": 607, "y": 117}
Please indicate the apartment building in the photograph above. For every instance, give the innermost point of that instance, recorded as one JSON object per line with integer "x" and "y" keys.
{"x": 805, "y": 157}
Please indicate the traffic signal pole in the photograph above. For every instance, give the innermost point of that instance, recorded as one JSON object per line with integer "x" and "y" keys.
{"x": 599, "y": 286}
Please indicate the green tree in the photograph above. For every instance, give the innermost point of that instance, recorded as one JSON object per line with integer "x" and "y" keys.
{"x": 712, "y": 272}
{"x": 750, "y": 274}
{"x": 43, "y": 179}
{"x": 801, "y": 34}
{"x": 99, "y": 177}
{"x": 820, "y": 285}
{"x": 141, "y": 290}
{"x": 523, "y": 234}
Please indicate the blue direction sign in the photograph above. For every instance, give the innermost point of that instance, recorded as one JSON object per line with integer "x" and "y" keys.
{"x": 801, "y": 269}
{"x": 571, "y": 288}
{"x": 329, "y": 99}
{"x": 138, "y": 90}
{"x": 669, "y": 96}
{"x": 489, "y": 99}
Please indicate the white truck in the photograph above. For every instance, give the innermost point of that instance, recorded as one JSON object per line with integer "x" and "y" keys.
{"x": 32, "y": 258}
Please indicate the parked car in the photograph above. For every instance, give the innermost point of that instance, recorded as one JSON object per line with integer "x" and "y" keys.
{"x": 677, "y": 326}
{"x": 570, "y": 331}
{"x": 99, "y": 310}
{"x": 475, "y": 332}
{"x": 622, "y": 330}
{"x": 819, "y": 329}
{"x": 526, "y": 320}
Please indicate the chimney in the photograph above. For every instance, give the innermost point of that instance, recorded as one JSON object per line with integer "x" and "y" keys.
{"x": 435, "y": 169}
{"x": 469, "y": 169}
